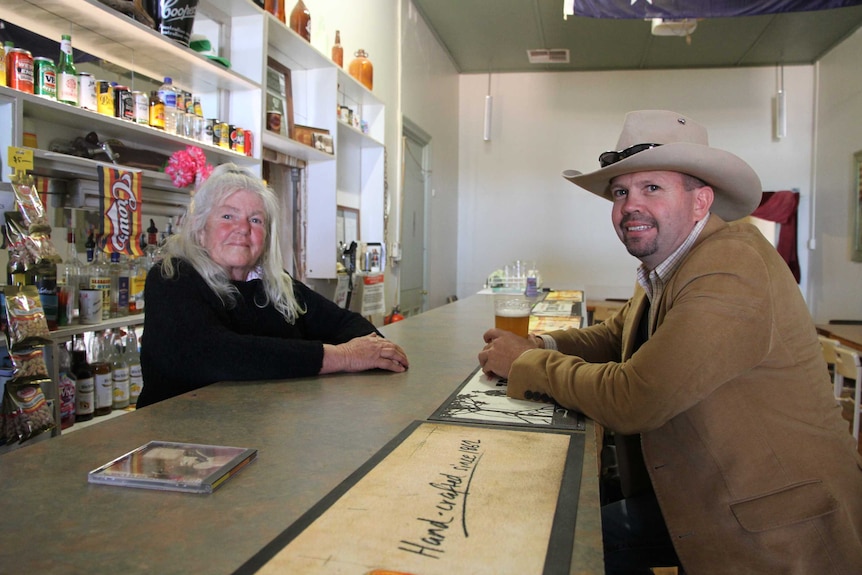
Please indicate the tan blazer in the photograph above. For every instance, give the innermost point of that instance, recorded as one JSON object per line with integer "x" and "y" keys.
{"x": 753, "y": 466}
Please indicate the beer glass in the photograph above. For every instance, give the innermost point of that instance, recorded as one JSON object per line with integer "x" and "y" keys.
{"x": 512, "y": 313}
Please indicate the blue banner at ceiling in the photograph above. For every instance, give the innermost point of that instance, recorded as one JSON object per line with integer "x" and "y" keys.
{"x": 678, "y": 9}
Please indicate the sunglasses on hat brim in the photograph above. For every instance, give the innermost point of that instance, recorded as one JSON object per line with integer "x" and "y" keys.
{"x": 612, "y": 157}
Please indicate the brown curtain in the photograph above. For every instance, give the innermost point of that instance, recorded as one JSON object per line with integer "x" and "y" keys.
{"x": 781, "y": 207}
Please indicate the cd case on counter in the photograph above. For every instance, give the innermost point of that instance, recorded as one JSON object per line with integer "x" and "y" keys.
{"x": 172, "y": 466}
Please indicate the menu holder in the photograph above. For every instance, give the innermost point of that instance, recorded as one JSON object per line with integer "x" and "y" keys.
{"x": 482, "y": 399}
{"x": 171, "y": 466}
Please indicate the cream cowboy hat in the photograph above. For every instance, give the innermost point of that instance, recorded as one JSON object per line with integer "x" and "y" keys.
{"x": 667, "y": 141}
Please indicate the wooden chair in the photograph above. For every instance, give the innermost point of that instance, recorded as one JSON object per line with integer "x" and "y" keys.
{"x": 830, "y": 355}
{"x": 849, "y": 366}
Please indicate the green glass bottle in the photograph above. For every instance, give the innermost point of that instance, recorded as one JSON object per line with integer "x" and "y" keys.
{"x": 67, "y": 74}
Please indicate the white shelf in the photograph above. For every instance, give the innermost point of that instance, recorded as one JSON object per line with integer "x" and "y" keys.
{"x": 347, "y": 134}
{"x": 107, "y": 127}
{"x": 285, "y": 145}
{"x": 113, "y": 36}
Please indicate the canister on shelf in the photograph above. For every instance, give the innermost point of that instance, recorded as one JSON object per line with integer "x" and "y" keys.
{"x": 249, "y": 143}
{"x": 45, "y": 78}
{"x": 87, "y": 91}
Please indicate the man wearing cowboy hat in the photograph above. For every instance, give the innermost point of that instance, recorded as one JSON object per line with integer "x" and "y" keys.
{"x": 713, "y": 367}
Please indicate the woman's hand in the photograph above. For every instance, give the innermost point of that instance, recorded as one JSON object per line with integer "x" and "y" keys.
{"x": 502, "y": 348}
{"x": 362, "y": 353}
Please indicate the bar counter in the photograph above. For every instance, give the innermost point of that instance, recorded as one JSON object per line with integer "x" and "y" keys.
{"x": 311, "y": 435}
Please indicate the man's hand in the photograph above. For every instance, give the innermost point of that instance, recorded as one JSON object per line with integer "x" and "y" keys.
{"x": 501, "y": 349}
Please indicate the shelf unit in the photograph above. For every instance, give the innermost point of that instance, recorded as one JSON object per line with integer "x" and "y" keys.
{"x": 247, "y": 35}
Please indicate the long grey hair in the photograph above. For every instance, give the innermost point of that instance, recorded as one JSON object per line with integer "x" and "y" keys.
{"x": 186, "y": 245}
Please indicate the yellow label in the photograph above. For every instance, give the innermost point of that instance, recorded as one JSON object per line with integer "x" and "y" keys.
{"x": 20, "y": 159}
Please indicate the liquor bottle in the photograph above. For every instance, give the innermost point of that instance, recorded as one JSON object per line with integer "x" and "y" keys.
{"x": 338, "y": 50}
{"x": 103, "y": 381}
{"x": 119, "y": 274}
{"x": 157, "y": 111}
{"x": 90, "y": 246}
{"x": 133, "y": 361}
{"x": 45, "y": 278}
{"x": 67, "y": 73}
{"x": 168, "y": 96}
{"x": 66, "y": 384}
{"x": 70, "y": 280}
{"x": 85, "y": 401}
{"x": 300, "y": 20}
{"x": 137, "y": 281}
{"x": 152, "y": 251}
{"x": 100, "y": 279}
{"x": 119, "y": 370}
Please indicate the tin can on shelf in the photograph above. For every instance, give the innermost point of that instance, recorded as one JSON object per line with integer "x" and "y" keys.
{"x": 237, "y": 139}
{"x": 87, "y": 92}
{"x": 19, "y": 70}
{"x": 210, "y": 136}
{"x": 104, "y": 97}
{"x": 142, "y": 107}
{"x": 224, "y": 130}
{"x": 124, "y": 105}
{"x": 45, "y": 78}
{"x": 249, "y": 143}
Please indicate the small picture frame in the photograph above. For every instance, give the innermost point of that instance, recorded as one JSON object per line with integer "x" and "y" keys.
{"x": 322, "y": 142}
{"x": 279, "y": 99}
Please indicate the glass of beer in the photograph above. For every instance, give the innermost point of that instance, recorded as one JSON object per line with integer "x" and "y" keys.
{"x": 512, "y": 313}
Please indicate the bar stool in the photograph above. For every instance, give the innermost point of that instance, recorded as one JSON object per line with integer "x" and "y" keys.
{"x": 849, "y": 366}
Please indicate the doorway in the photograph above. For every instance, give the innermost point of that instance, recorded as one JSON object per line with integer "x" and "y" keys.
{"x": 414, "y": 170}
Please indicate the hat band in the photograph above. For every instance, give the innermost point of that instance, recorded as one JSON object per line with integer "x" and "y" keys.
{"x": 608, "y": 158}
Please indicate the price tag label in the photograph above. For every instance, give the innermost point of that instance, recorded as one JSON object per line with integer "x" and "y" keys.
{"x": 20, "y": 159}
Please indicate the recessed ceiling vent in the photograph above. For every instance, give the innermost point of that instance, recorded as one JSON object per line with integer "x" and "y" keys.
{"x": 555, "y": 56}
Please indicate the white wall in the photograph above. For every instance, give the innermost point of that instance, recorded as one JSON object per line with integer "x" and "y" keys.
{"x": 513, "y": 203}
{"x": 837, "y": 292}
{"x": 429, "y": 98}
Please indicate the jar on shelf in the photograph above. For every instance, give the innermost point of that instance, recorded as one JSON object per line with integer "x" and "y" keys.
{"x": 300, "y": 21}
{"x": 362, "y": 69}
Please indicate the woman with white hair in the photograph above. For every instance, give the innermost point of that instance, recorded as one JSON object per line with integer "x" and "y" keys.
{"x": 220, "y": 307}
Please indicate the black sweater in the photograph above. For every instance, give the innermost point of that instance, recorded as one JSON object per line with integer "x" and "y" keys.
{"x": 191, "y": 339}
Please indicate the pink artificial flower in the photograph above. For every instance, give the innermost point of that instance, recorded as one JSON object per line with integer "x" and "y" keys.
{"x": 187, "y": 167}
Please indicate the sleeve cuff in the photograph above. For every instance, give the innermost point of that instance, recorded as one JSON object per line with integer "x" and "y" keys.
{"x": 550, "y": 343}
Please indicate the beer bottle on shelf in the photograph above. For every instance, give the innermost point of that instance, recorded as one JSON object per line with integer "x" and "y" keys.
{"x": 85, "y": 401}
{"x": 119, "y": 370}
{"x": 102, "y": 378}
{"x": 67, "y": 73}
{"x": 133, "y": 361}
